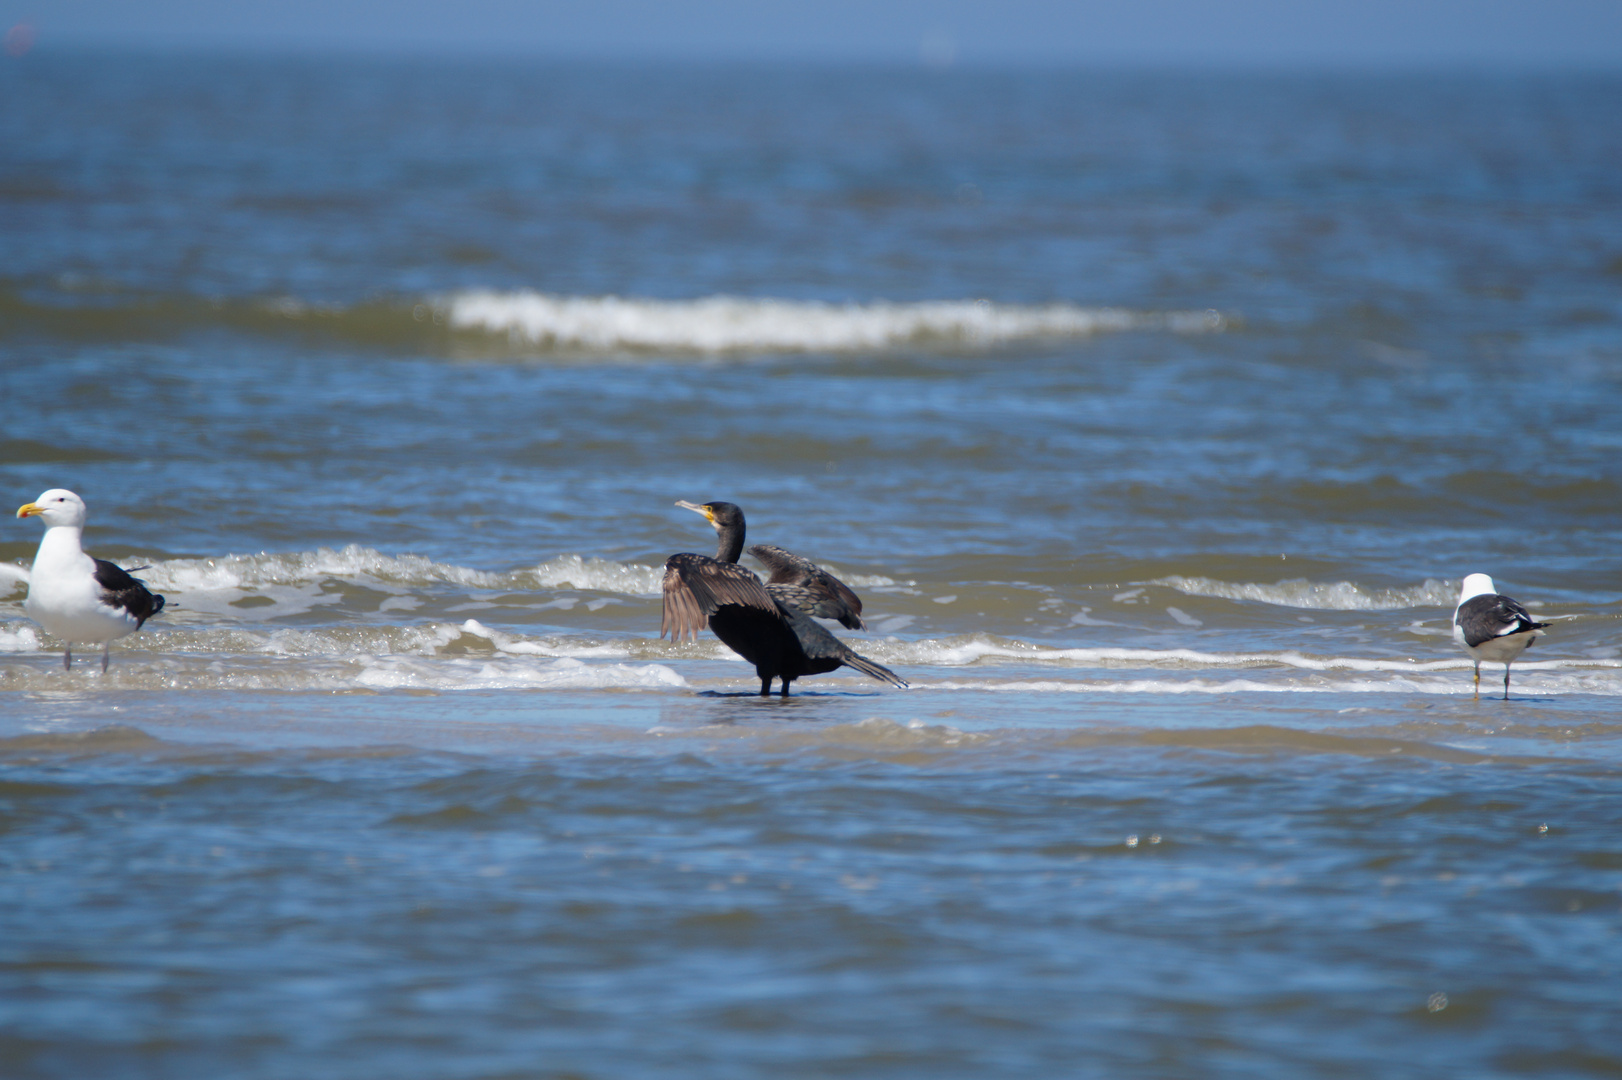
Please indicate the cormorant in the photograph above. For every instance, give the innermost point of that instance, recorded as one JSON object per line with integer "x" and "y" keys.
{"x": 1492, "y": 627}
{"x": 75, "y": 597}
{"x": 769, "y": 625}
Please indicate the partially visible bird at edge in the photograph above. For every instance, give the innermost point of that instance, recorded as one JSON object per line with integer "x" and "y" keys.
{"x": 76, "y": 597}
{"x": 769, "y": 624}
{"x": 1492, "y": 626}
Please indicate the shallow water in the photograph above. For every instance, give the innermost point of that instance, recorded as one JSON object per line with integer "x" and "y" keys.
{"x": 1156, "y": 419}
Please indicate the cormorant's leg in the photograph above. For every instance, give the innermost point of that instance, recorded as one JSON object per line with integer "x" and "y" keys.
{"x": 766, "y": 686}
{"x": 1478, "y": 680}
{"x": 67, "y": 658}
{"x": 1506, "y": 682}
{"x": 108, "y": 645}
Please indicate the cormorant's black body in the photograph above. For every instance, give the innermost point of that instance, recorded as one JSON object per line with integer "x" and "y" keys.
{"x": 767, "y": 641}
{"x": 761, "y": 623}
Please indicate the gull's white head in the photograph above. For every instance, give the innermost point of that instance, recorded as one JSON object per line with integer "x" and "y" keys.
{"x": 58, "y": 506}
{"x": 1476, "y": 585}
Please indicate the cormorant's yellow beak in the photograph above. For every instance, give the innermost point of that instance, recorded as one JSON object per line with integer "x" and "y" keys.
{"x": 709, "y": 515}
{"x": 29, "y": 510}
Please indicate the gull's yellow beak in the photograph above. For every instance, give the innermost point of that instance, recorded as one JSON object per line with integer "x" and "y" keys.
{"x": 29, "y": 510}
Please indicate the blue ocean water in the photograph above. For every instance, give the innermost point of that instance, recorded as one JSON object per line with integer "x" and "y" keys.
{"x": 1156, "y": 417}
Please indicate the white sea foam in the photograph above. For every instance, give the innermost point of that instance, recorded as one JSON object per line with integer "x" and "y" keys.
{"x": 292, "y": 581}
{"x": 333, "y": 642}
{"x": 1396, "y": 683}
{"x": 471, "y": 655}
{"x": 360, "y": 672}
{"x": 1146, "y": 686}
{"x": 516, "y": 645}
{"x": 563, "y": 673}
{"x": 865, "y": 581}
{"x": 1324, "y": 596}
{"x": 306, "y": 567}
{"x": 960, "y": 652}
{"x": 598, "y": 575}
{"x": 720, "y": 324}
{"x": 19, "y": 639}
{"x": 441, "y": 656}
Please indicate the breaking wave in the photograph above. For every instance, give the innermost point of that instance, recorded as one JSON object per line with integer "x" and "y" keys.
{"x": 440, "y": 657}
{"x": 978, "y": 649}
{"x": 721, "y": 324}
{"x": 1319, "y": 595}
{"x": 369, "y": 566}
{"x": 487, "y": 323}
{"x": 446, "y": 656}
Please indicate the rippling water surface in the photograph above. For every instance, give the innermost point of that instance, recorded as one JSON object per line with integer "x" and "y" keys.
{"x": 1156, "y": 418}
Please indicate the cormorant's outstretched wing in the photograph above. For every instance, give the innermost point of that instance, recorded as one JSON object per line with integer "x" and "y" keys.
{"x": 696, "y": 586}
{"x": 120, "y": 590}
{"x": 803, "y": 584}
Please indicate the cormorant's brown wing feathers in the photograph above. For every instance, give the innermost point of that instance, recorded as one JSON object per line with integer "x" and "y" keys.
{"x": 801, "y": 583}
{"x": 784, "y": 565}
{"x": 696, "y": 586}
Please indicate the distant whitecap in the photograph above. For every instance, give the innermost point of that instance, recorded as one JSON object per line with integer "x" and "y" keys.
{"x": 1320, "y": 595}
{"x": 721, "y": 324}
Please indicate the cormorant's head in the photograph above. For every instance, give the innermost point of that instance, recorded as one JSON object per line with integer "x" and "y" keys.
{"x": 58, "y": 506}
{"x": 720, "y": 515}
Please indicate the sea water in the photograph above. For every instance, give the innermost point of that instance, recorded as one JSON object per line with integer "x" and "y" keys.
{"x": 1156, "y": 418}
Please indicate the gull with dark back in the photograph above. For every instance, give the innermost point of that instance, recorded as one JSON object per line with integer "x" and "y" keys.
{"x": 1492, "y": 626}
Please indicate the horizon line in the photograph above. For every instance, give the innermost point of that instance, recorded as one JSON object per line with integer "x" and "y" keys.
{"x": 1116, "y": 60}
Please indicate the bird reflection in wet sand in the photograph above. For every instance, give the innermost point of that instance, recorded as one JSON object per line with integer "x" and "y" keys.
{"x": 769, "y": 624}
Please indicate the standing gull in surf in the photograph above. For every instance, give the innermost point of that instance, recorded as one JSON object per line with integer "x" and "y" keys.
{"x": 1492, "y": 627}
{"x": 769, "y": 625}
{"x": 73, "y": 596}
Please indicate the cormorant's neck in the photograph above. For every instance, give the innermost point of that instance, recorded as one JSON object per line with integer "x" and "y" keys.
{"x": 729, "y": 543}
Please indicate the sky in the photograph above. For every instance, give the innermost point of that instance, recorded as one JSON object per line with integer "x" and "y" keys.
{"x": 1243, "y": 33}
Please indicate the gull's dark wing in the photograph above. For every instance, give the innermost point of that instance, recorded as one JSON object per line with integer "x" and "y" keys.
{"x": 120, "y": 590}
{"x": 1483, "y": 618}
